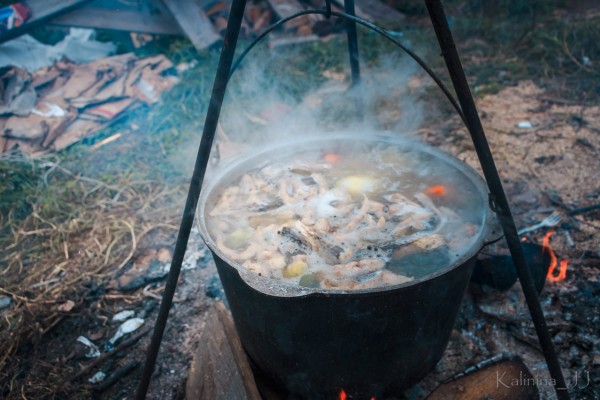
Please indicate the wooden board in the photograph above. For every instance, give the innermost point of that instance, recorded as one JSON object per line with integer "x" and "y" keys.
{"x": 41, "y": 12}
{"x": 505, "y": 380}
{"x": 193, "y": 22}
{"x": 380, "y": 12}
{"x": 220, "y": 368}
{"x": 286, "y": 8}
{"x": 122, "y": 20}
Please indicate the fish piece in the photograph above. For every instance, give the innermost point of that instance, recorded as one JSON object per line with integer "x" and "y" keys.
{"x": 414, "y": 223}
{"x": 360, "y": 215}
{"x": 322, "y": 225}
{"x": 382, "y": 278}
{"x": 256, "y": 268}
{"x": 302, "y": 235}
{"x": 281, "y": 218}
{"x": 284, "y": 195}
{"x": 321, "y": 182}
{"x": 430, "y": 242}
{"x": 390, "y": 278}
{"x": 339, "y": 284}
{"x": 250, "y": 252}
{"x": 268, "y": 206}
{"x": 357, "y": 268}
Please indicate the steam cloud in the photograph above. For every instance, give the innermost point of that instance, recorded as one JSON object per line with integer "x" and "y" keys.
{"x": 258, "y": 110}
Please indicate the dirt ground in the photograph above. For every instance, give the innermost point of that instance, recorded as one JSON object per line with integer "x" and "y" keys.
{"x": 552, "y": 164}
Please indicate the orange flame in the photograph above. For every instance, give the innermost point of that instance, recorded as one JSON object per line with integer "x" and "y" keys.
{"x": 344, "y": 396}
{"x": 562, "y": 270}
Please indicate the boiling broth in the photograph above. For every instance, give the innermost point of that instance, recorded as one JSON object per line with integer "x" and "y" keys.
{"x": 350, "y": 215}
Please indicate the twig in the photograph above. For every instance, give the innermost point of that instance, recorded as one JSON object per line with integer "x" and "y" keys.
{"x": 525, "y": 339}
{"x": 66, "y": 249}
{"x": 13, "y": 295}
{"x": 147, "y": 293}
{"x": 106, "y": 141}
{"x": 105, "y": 356}
{"x": 583, "y": 210}
{"x": 53, "y": 324}
{"x": 125, "y": 297}
{"x": 44, "y": 283}
{"x": 108, "y": 250}
{"x": 115, "y": 376}
{"x": 563, "y": 102}
{"x": 571, "y": 56}
{"x": 133, "y": 245}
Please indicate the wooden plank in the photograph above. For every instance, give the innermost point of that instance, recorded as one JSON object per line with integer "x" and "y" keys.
{"x": 380, "y": 12}
{"x": 220, "y": 369}
{"x": 505, "y": 380}
{"x": 238, "y": 351}
{"x": 193, "y": 22}
{"x": 41, "y": 12}
{"x": 120, "y": 20}
{"x": 286, "y": 8}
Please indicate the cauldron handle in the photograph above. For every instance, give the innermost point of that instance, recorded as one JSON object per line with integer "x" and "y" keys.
{"x": 353, "y": 19}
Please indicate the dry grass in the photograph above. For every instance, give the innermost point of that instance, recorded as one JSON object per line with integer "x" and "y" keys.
{"x": 78, "y": 233}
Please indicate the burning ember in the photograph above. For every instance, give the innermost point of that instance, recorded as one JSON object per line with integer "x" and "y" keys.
{"x": 344, "y": 396}
{"x": 562, "y": 270}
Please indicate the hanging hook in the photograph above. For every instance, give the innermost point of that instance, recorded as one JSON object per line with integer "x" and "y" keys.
{"x": 327, "y": 9}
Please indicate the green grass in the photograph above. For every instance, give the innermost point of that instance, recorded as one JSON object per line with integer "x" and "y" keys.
{"x": 510, "y": 40}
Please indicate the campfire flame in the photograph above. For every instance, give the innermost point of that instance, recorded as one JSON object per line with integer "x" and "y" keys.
{"x": 344, "y": 396}
{"x": 562, "y": 270}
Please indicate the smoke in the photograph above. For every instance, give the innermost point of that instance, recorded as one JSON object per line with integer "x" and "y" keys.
{"x": 262, "y": 105}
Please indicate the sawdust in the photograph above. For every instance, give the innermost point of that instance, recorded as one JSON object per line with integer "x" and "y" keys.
{"x": 552, "y": 165}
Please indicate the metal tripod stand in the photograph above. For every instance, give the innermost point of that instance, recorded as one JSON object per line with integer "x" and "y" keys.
{"x": 464, "y": 106}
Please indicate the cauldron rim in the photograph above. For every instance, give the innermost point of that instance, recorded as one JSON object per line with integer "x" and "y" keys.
{"x": 489, "y": 230}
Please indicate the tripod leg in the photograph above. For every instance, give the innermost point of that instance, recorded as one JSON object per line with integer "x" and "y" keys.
{"x": 354, "y": 58}
{"x": 352, "y": 42}
{"x": 210, "y": 126}
{"x": 465, "y": 98}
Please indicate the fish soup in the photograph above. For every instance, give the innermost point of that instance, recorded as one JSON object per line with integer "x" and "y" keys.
{"x": 346, "y": 215}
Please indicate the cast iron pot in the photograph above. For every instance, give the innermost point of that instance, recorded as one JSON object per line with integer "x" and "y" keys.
{"x": 314, "y": 342}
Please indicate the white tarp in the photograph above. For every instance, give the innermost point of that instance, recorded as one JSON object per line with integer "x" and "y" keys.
{"x": 78, "y": 46}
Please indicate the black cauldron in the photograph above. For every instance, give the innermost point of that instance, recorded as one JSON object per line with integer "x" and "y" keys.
{"x": 372, "y": 342}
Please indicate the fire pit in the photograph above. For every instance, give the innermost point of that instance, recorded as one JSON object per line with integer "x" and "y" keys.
{"x": 373, "y": 340}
